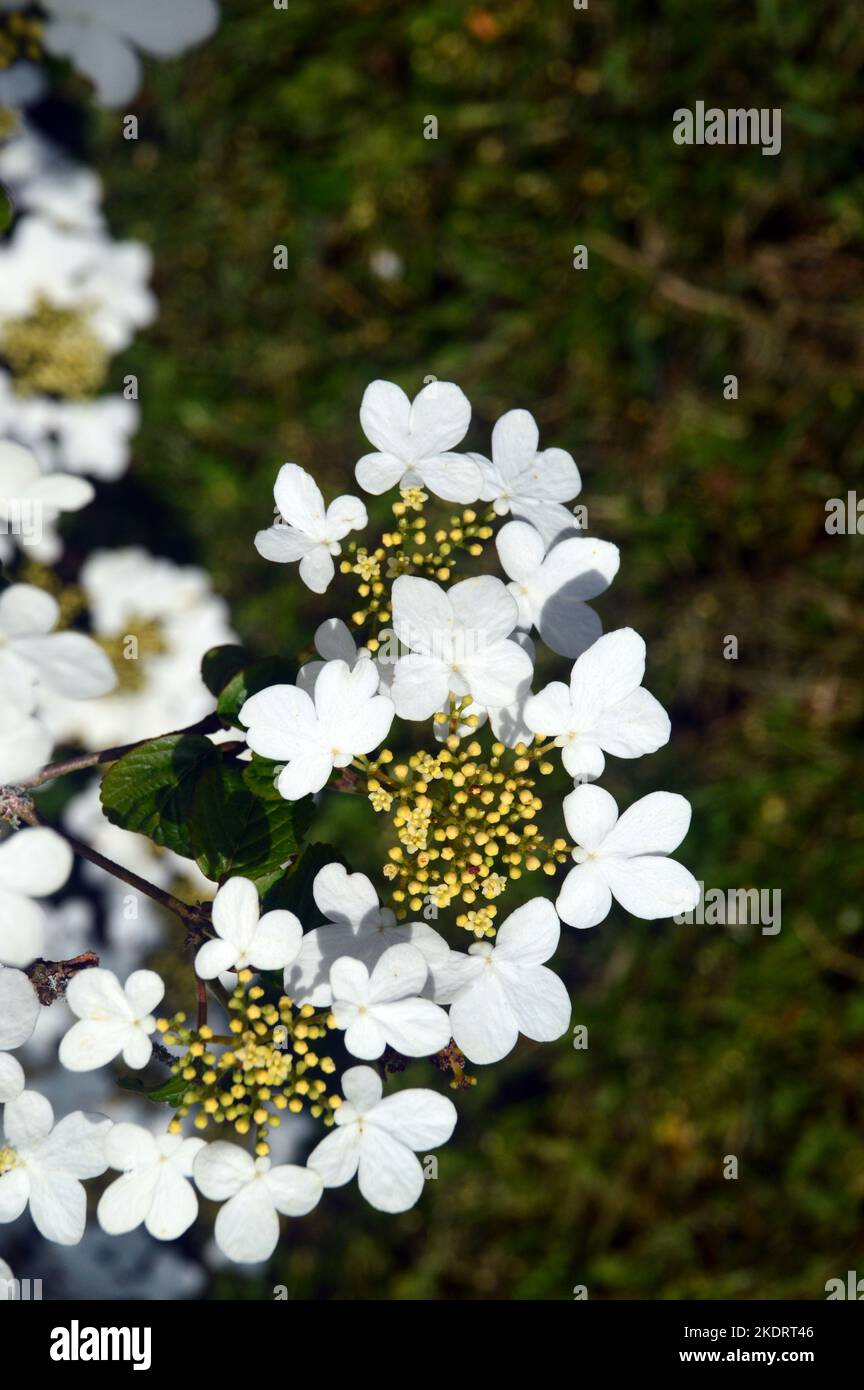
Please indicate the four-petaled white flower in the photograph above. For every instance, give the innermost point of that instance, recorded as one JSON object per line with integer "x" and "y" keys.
{"x": 247, "y": 1227}
{"x": 112, "y": 1019}
{"x": 30, "y": 652}
{"x": 384, "y": 1009}
{"x": 11, "y": 1077}
{"x": 43, "y": 1163}
{"x": 377, "y": 1139}
{"x": 19, "y": 1008}
{"x": 154, "y": 1187}
{"x": 333, "y": 641}
{"x": 245, "y": 939}
{"x": 550, "y": 589}
{"x": 356, "y": 926}
{"x": 531, "y": 486}
{"x": 344, "y": 717}
{"x": 33, "y": 863}
{"x": 606, "y": 709}
{"x": 458, "y": 644}
{"x": 626, "y": 858}
{"x": 415, "y": 441}
{"x": 308, "y": 532}
{"x": 499, "y": 991}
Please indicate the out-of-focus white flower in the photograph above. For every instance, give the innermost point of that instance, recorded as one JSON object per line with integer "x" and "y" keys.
{"x": 31, "y": 501}
{"x": 33, "y": 863}
{"x": 43, "y": 1163}
{"x": 100, "y": 37}
{"x": 75, "y": 436}
{"x": 626, "y": 858}
{"x": 313, "y": 734}
{"x": 415, "y": 441}
{"x": 458, "y": 643}
{"x": 550, "y": 589}
{"x": 11, "y": 1077}
{"x": 19, "y": 1008}
{"x": 384, "y": 1009}
{"x": 499, "y": 991}
{"x": 25, "y": 742}
{"x": 112, "y": 1019}
{"x": 254, "y": 1193}
{"x": 605, "y": 709}
{"x": 377, "y": 1139}
{"x": 42, "y": 179}
{"x": 246, "y": 940}
{"x": 31, "y": 653}
{"x": 155, "y": 1187}
{"x": 356, "y": 926}
{"x": 529, "y": 485}
{"x": 308, "y": 532}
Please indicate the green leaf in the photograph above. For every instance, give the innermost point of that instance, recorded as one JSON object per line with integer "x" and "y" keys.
{"x": 152, "y": 788}
{"x": 7, "y": 210}
{"x": 170, "y": 1092}
{"x": 235, "y": 832}
{"x": 260, "y": 776}
{"x": 293, "y": 890}
{"x": 273, "y": 670}
{"x": 220, "y": 665}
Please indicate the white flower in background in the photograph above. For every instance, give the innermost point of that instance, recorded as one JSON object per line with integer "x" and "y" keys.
{"x": 22, "y": 84}
{"x": 458, "y": 643}
{"x": 159, "y": 618}
{"x": 33, "y": 863}
{"x": 384, "y": 1009}
{"x": 308, "y": 532}
{"x": 550, "y": 589}
{"x": 19, "y": 1008}
{"x": 105, "y": 280}
{"x": 100, "y": 37}
{"x": 526, "y": 484}
{"x": 606, "y": 709}
{"x": 43, "y": 1163}
{"x": 333, "y": 642}
{"x": 377, "y": 1139}
{"x": 155, "y": 1187}
{"x": 357, "y": 926}
{"x": 244, "y": 939}
{"x": 11, "y": 1077}
{"x": 113, "y": 1019}
{"x": 25, "y": 742}
{"x": 626, "y": 858}
{"x": 415, "y": 441}
{"x": 31, "y": 653}
{"x": 75, "y": 436}
{"x": 499, "y": 991}
{"x": 42, "y": 179}
{"x": 31, "y": 501}
{"x": 254, "y": 1192}
{"x": 313, "y": 734}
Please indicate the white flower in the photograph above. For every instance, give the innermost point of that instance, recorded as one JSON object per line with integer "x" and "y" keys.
{"x": 375, "y": 1139}
{"x": 33, "y": 863}
{"x": 31, "y": 500}
{"x": 246, "y": 940}
{"x": 356, "y": 926}
{"x": 112, "y": 1019}
{"x": 606, "y": 709}
{"x": 499, "y": 991}
{"x": 550, "y": 589}
{"x": 25, "y": 742}
{"x": 247, "y": 1227}
{"x": 384, "y": 1009}
{"x": 313, "y": 734}
{"x": 100, "y": 37}
{"x": 626, "y": 858}
{"x": 75, "y": 436}
{"x": 11, "y": 1077}
{"x": 155, "y": 1186}
{"x": 333, "y": 642}
{"x": 506, "y": 721}
{"x": 30, "y": 653}
{"x": 415, "y": 441}
{"x": 530, "y": 485}
{"x": 307, "y": 532}
{"x": 41, "y": 178}
{"x": 458, "y": 645}
{"x": 43, "y": 1163}
{"x": 19, "y": 1008}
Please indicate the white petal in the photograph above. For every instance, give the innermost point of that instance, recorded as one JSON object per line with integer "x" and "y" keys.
{"x": 27, "y": 1120}
{"x": 401, "y": 971}
{"x": 654, "y": 825}
{"x": 221, "y": 1170}
{"x": 22, "y": 929}
{"x": 389, "y": 1176}
{"x": 305, "y": 774}
{"x": 282, "y": 544}
{"x": 549, "y": 711}
{"x": 215, "y": 958}
{"x": 58, "y": 1205}
{"x": 607, "y": 673}
{"x": 540, "y": 1003}
{"x": 590, "y": 814}
{"x": 14, "y": 1194}
{"x": 317, "y": 569}
{"x": 384, "y": 416}
{"x": 19, "y": 1008}
{"x": 496, "y": 674}
{"x": 90, "y": 1044}
{"x": 421, "y": 613}
{"x": 25, "y": 610}
{"x": 377, "y": 473}
{"x": 530, "y": 935}
{"x": 130, "y": 1146}
{"x": 276, "y": 941}
{"x": 420, "y": 687}
{"x": 235, "y": 912}
{"x": 345, "y": 897}
{"x": 345, "y": 514}
{"x": 452, "y": 477}
{"x": 335, "y": 1159}
{"x": 70, "y": 663}
{"x": 362, "y": 1088}
{"x": 349, "y": 981}
{"x": 280, "y": 720}
{"x": 334, "y": 642}
{"x": 514, "y": 442}
{"x": 125, "y": 1204}
{"x": 651, "y": 885}
{"x": 439, "y": 419}
{"x": 584, "y": 899}
{"x": 482, "y": 1021}
{"x": 414, "y": 1027}
{"x": 247, "y": 1227}
{"x": 293, "y": 1190}
{"x": 417, "y": 1117}
{"x": 520, "y": 549}
{"x": 145, "y": 990}
{"x": 299, "y": 499}
{"x": 36, "y": 862}
{"x": 583, "y": 758}
{"x": 174, "y": 1205}
{"x": 76, "y": 1145}
{"x": 568, "y": 626}
{"x": 137, "y": 1047}
{"x": 97, "y": 994}
{"x": 483, "y": 605}
{"x": 636, "y": 725}
{"x": 11, "y": 1077}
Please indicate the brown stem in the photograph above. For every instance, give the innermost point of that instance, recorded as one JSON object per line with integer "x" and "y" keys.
{"x": 50, "y": 978}
{"x": 201, "y": 988}
{"x": 208, "y": 725}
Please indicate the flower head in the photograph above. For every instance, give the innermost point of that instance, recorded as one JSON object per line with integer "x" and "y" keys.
{"x": 307, "y": 532}
{"x": 254, "y": 1193}
{"x": 384, "y": 1009}
{"x": 246, "y": 939}
{"x": 113, "y": 1019}
{"x": 550, "y": 589}
{"x": 528, "y": 484}
{"x": 415, "y": 441}
{"x": 154, "y": 1187}
{"x": 42, "y": 1164}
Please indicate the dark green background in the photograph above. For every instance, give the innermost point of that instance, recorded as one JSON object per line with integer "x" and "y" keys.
{"x": 303, "y": 128}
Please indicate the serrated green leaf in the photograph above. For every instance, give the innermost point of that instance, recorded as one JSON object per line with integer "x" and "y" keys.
{"x": 152, "y": 788}
{"x": 234, "y": 832}
{"x": 221, "y": 664}
{"x": 274, "y": 670}
{"x": 259, "y": 775}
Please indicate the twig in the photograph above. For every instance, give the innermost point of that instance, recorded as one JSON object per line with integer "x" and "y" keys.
{"x": 208, "y": 725}
{"x": 50, "y": 978}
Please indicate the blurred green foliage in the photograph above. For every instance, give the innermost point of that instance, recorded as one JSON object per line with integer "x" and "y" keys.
{"x": 303, "y": 128}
